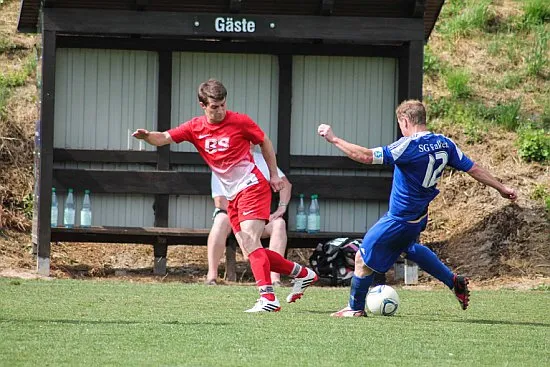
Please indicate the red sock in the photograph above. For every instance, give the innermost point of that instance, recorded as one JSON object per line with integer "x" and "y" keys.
{"x": 259, "y": 262}
{"x": 279, "y": 264}
{"x": 269, "y": 296}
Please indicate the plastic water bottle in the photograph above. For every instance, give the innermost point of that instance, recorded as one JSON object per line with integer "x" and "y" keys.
{"x": 317, "y": 214}
{"x": 69, "y": 212}
{"x": 314, "y": 216}
{"x": 301, "y": 217}
{"x": 86, "y": 211}
{"x": 54, "y": 209}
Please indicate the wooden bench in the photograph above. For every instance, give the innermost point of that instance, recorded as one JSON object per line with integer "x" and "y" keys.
{"x": 161, "y": 238}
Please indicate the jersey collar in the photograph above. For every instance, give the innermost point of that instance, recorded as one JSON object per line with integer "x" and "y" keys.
{"x": 419, "y": 134}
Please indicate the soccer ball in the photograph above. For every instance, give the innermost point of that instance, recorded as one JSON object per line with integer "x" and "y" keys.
{"x": 383, "y": 300}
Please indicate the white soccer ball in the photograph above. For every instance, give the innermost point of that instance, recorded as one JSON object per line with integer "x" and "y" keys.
{"x": 383, "y": 300}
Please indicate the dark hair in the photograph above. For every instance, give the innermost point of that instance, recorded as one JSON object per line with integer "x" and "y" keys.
{"x": 412, "y": 109}
{"x": 211, "y": 89}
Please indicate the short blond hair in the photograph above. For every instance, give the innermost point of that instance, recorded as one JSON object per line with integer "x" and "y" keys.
{"x": 413, "y": 110}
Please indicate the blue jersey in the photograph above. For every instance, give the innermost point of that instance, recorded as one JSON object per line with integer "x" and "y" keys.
{"x": 419, "y": 161}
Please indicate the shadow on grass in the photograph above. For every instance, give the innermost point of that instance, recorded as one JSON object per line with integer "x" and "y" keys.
{"x": 475, "y": 321}
{"x": 502, "y": 322}
{"x": 107, "y": 322}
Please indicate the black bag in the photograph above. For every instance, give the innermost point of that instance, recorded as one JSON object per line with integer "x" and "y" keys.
{"x": 334, "y": 260}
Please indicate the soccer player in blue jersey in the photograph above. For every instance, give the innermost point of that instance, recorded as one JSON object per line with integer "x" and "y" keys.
{"x": 419, "y": 158}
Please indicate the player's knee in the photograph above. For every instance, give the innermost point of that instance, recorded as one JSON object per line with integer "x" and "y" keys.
{"x": 360, "y": 268}
{"x": 279, "y": 225}
{"x": 221, "y": 222}
{"x": 359, "y": 259}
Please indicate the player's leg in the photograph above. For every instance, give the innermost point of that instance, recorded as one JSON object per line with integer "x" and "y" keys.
{"x": 276, "y": 231}
{"x": 248, "y": 213}
{"x": 428, "y": 261}
{"x": 381, "y": 247}
{"x": 249, "y": 238}
{"x": 216, "y": 244}
{"x": 303, "y": 276}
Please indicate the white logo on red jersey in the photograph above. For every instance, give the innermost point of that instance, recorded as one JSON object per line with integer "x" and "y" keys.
{"x": 214, "y": 145}
{"x": 204, "y": 136}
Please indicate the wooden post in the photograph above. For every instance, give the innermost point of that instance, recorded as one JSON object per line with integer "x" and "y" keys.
{"x": 160, "y": 249}
{"x": 164, "y": 104}
{"x": 44, "y": 170}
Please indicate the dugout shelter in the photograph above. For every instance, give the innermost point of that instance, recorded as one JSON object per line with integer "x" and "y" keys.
{"x": 109, "y": 67}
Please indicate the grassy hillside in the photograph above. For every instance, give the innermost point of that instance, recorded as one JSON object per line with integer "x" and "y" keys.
{"x": 18, "y": 113}
{"x": 487, "y": 85}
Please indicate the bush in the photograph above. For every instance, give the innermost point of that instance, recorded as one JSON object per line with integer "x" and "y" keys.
{"x": 534, "y": 144}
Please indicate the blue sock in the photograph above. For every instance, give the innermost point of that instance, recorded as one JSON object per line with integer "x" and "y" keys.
{"x": 358, "y": 292}
{"x": 428, "y": 261}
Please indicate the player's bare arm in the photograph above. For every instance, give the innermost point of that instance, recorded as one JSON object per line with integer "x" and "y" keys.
{"x": 353, "y": 151}
{"x": 156, "y": 138}
{"x": 284, "y": 199}
{"x": 482, "y": 175}
{"x": 275, "y": 181}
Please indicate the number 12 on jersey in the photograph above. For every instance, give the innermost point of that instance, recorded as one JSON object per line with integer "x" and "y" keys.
{"x": 433, "y": 171}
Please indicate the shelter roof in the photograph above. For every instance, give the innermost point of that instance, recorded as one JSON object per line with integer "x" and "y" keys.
{"x": 428, "y": 9}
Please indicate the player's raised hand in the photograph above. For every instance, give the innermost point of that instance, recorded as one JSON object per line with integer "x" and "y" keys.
{"x": 140, "y": 134}
{"x": 326, "y": 132}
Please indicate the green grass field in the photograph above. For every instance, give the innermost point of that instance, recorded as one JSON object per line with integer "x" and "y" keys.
{"x": 97, "y": 323}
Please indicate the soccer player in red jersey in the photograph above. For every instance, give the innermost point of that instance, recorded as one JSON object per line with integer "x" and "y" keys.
{"x": 223, "y": 139}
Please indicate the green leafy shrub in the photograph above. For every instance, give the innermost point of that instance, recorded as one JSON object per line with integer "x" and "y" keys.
{"x": 533, "y": 144}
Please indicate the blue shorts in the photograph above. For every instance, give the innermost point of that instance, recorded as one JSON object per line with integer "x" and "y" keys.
{"x": 387, "y": 239}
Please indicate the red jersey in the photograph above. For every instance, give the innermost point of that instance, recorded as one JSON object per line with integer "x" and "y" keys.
{"x": 225, "y": 147}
